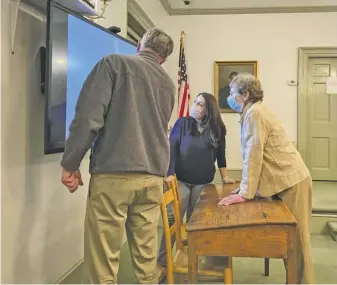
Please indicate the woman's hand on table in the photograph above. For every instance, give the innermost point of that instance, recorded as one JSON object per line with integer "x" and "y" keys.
{"x": 232, "y": 199}
{"x": 227, "y": 180}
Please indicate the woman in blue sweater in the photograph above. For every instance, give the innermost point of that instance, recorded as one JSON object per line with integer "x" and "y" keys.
{"x": 196, "y": 142}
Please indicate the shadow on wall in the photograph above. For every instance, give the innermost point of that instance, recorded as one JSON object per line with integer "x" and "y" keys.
{"x": 31, "y": 199}
{"x": 44, "y": 235}
{"x": 34, "y": 220}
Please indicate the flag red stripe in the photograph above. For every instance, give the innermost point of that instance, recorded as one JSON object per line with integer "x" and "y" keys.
{"x": 185, "y": 96}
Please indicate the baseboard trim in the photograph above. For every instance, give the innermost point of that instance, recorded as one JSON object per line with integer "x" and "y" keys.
{"x": 69, "y": 272}
{"x": 324, "y": 212}
{"x": 316, "y": 214}
{"x": 232, "y": 173}
{"x": 319, "y": 223}
{"x": 78, "y": 264}
{"x": 235, "y": 173}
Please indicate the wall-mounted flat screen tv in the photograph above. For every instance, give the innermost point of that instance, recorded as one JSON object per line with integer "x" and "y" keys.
{"x": 74, "y": 46}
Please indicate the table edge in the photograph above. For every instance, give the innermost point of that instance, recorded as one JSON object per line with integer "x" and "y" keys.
{"x": 224, "y": 227}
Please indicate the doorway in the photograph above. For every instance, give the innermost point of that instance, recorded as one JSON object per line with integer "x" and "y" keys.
{"x": 317, "y": 112}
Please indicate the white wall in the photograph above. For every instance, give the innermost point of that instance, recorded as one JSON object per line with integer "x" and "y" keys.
{"x": 41, "y": 223}
{"x": 271, "y": 39}
{"x": 115, "y": 15}
{"x": 155, "y": 11}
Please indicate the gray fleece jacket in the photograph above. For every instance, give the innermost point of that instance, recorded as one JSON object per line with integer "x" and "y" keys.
{"x": 122, "y": 114}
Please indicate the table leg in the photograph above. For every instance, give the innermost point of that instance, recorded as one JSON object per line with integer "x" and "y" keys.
{"x": 228, "y": 271}
{"x": 292, "y": 257}
{"x": 192, "y": 260}
{"x": 266, "y": 266}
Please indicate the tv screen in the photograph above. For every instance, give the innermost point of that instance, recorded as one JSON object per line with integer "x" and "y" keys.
{"x": 74, "y": 46}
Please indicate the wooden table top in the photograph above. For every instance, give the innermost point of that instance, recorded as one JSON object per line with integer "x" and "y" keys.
{"x": 208, "y": 215}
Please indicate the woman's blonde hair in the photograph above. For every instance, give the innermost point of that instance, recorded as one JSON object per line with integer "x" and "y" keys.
{"x": 245, "y": 82}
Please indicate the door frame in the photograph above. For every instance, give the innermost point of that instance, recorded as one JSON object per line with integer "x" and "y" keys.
{"x": 304, "y": 55}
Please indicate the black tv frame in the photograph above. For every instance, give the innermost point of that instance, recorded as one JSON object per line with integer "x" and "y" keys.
{"x": 48, "y": 58}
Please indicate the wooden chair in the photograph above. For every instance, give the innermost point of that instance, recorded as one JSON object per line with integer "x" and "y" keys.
{"x": 183, "y": 226}
{"x": 179, "y": 263}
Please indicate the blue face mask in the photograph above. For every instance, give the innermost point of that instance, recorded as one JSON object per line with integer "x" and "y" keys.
{"x": 235, "y": 106}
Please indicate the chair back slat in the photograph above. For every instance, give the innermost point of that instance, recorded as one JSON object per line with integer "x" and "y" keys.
{"x": 176, "y": 188}
{"x": 170, "y": 199}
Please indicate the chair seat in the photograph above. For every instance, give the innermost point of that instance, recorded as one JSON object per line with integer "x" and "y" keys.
{"x": 204, "y": 269}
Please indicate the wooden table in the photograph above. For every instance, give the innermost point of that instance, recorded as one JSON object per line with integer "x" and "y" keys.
{"x": 257, "y": 228}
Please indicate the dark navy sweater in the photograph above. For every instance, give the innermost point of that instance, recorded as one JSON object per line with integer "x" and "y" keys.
{"x": 192, "y": 158}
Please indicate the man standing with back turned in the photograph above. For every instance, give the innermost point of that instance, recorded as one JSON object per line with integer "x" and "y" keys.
{"x": 122, "y": 114}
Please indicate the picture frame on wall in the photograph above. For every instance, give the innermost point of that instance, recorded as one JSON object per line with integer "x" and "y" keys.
{"x": 224, "y": 72}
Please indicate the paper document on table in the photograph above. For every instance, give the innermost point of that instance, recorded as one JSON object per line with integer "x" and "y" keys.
{"x": 331, "y": 85}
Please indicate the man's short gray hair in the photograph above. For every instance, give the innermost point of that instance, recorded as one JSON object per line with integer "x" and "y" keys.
{"x": 245, "y": 82}
{"x": 158, "y": 41}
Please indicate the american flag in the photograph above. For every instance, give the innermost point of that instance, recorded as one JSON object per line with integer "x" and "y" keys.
{"x": 183, "y": 86}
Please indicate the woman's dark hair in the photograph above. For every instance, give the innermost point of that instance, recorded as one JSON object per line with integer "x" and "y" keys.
{"x": 212, "y": 122}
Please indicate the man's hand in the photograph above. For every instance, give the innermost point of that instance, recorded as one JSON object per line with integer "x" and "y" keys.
{"x": 71, "y": 179}
{"x": 169, "y": 178}
{"x": 231, "y": 199}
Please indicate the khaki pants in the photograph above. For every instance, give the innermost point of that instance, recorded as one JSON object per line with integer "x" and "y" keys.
{"x": 298, "y": 200}
{"x": 118, "y": 201}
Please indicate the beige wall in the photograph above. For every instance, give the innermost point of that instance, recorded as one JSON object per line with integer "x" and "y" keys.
{"x": 115, "y": 15}
{"x": 155, "y": 11}
{"x": 42, "y": 224}
{"x": 272, "y": 39}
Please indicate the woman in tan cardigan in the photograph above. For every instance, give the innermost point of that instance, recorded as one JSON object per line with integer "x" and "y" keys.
{"x": 272, "y": 166}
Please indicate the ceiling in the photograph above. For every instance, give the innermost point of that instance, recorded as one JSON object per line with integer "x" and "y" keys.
{"x": 212, "y": 7}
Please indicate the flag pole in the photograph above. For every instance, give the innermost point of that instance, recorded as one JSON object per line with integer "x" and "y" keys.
{"x": 182, "y": 33}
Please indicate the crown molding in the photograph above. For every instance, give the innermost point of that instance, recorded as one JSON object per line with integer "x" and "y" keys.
{"x": 252, "y": 10}
{"x": 166, "y": 6}
{"x": 137, "y": 12}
